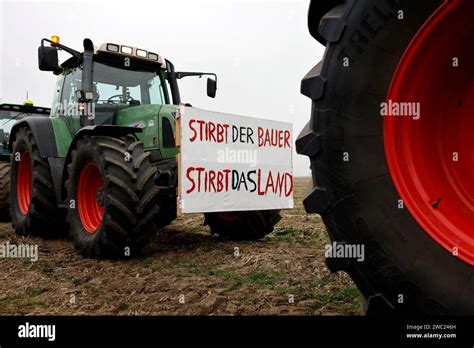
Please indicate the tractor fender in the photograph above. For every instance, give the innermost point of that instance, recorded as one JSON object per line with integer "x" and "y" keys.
{"x": 317, "y": 9}
{"x": 107, "y": 130}
{"x": 42, "y": 130}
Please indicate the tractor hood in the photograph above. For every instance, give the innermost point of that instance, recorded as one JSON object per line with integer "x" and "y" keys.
{"x": 138, "y": 116}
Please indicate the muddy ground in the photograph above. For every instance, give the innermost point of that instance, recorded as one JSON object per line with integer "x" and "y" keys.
{"x": 184, "y": 271}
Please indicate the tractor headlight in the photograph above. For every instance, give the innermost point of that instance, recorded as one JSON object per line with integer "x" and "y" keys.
{"x": 127, "y": 50}
{"x": 141, "y": 53}
{"x": 153, "y": 56}
{"x": 112, "y": 48}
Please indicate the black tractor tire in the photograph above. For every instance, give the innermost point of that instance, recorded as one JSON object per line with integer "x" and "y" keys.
{"x": 128, "y": 195}
{"x": 246, "y": 225}
{"x": 43, "y": 217}
{"x": 404, "y": 270}
{"x": 5, "y": 192}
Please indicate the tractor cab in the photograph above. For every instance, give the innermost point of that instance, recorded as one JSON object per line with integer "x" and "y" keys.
{"x": 119, "y": 81}
{"x": 98, "y": 83}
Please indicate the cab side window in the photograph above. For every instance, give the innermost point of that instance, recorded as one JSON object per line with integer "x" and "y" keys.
{"x": 56, "y": 104}
{"x": 72, "y": 83}
{"x": 167, "y": 133}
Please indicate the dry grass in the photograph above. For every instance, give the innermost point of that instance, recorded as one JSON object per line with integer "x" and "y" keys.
{"x": 184, "y": 262}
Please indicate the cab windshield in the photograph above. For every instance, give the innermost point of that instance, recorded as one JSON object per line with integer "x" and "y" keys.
{"x": 7, "y": 120}
{"x": 117, "y": 86}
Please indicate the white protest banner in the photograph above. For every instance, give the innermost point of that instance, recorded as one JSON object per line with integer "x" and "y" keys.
{"x": 233, "y": 163}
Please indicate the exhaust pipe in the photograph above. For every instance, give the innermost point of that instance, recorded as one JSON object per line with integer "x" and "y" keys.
{"x": 87, "y": 117}
{"x": 173, "y": 82}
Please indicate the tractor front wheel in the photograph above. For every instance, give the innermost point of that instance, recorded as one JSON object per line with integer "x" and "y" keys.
{"x": 112, "y": 197}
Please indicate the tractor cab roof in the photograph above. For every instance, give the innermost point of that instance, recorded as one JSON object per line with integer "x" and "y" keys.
{"x": 115, "y": 52}
{"x": 15, "y": 110}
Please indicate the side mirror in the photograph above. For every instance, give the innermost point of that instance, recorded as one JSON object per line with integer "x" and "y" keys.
{"x": 211, "y": 88}
{"x": 48, "y": 59}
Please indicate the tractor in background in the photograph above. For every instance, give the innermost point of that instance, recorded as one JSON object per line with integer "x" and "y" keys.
{"x": 9, "y": 114}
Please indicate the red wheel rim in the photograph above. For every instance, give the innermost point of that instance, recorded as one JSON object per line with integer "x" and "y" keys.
{"x": 431, "y": 159}
{"x": 23, "y": 184}
{"x": 229, "y": 216}
{"x": 90, "y": 212}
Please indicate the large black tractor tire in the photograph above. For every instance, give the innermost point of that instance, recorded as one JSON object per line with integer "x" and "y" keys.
{"x": 5, "y": 192}
{"x": 404, "y": 270}
{"x": 33, "y": 205}
{"x": 246, "y": 225}
{"x": 113, "y": 195}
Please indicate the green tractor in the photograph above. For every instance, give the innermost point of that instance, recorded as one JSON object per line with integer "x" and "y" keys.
{"x": 103, "y": 166}
{"x": 9, "y": 113}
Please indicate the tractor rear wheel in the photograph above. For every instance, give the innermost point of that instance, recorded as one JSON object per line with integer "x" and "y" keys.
{"x": 112, "y": 196}
{"x": 394, "y": 184}
{"x": 245, "y": 225}
{"x": 33, "y": 205}
{"x": 5, "y": 192}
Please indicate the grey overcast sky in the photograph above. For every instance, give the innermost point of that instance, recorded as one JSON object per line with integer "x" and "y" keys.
{"x": 259, "y": 49}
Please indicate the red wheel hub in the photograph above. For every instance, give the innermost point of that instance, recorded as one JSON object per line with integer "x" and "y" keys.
{"x": 229, "y": 216}
{"x": 23, "y": 184}
{"x": 431, "y": 159}
{"x": 90, "y": 211}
